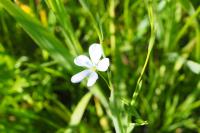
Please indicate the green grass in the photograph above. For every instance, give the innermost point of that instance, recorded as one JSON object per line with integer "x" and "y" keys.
{"x": 153, "y": 82}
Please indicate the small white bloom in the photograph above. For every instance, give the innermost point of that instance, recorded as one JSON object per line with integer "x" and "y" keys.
{"x": 92, "y": 65}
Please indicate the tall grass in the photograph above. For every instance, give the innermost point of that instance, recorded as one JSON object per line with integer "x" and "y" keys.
{"x": 153, "y": 82}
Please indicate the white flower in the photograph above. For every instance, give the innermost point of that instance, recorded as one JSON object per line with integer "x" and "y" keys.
{"x": 92, "y": 65}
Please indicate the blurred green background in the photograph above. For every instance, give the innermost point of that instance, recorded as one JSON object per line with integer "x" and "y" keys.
{"x": 40, "y": 38}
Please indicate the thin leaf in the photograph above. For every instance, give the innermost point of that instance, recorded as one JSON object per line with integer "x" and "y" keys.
{"x": 72, "y": 42}
{"x": 79, "y": 110}
{"x": 39, "y": 34}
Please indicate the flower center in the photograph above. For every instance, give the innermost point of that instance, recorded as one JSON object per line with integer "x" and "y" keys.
{"x": 93, "y": 68}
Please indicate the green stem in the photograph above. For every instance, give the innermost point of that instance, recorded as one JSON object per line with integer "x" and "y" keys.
{"x": 115, "y": 109}
{"x": 104, "y": 80}
{"x": 150, "y": 47}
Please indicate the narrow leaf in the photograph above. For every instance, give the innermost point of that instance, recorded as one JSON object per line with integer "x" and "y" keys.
{"x": 79, "y": 110}
{"x": 45, "y": 39}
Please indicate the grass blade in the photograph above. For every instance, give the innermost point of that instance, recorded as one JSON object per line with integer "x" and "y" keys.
{"x": 58, "y": 8}
{"x": 39, "y": 34}
{"x": 79, "y": 110}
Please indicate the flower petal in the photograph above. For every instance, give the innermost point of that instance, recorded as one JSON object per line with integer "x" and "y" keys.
{"x": 95, "y": 51}
{"x": 83, "y": 60}
{"x": 103, "y": 64}
{"x": 80, "y": 76}
{"x": 92, "y": 79}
